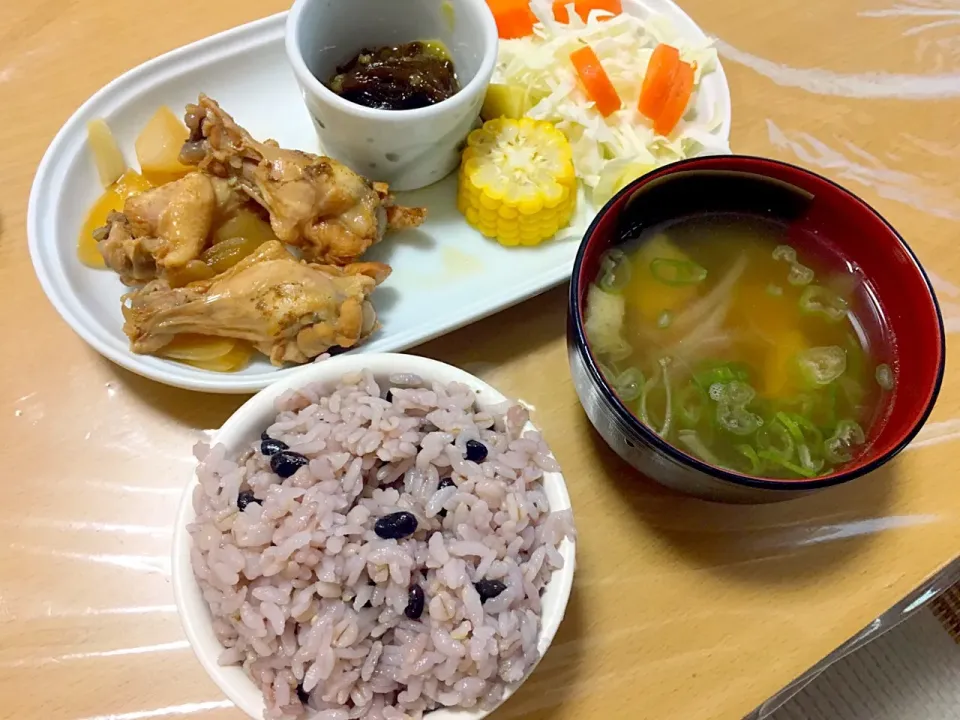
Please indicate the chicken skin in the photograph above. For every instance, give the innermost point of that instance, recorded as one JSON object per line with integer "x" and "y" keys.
{"x": 291, "y": 311}
{"x": 166, "y": 227}
{"x": 315, "y": 203}
{"x": 124, "y": 253}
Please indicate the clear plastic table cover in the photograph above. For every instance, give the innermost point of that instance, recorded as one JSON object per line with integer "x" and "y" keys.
{"x": 680, "y": 608}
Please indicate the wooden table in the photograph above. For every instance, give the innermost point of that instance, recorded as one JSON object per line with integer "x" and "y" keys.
{"x": 681, "y": 609}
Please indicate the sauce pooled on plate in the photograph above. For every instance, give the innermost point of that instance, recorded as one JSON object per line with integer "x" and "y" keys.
{"x": 398, "y": 77}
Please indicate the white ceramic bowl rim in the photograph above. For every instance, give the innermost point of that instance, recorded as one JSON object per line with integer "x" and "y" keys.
{"x": 244, "y": 426}
{"x": 488, "y": 30}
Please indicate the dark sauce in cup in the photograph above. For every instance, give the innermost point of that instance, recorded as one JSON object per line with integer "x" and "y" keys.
{"x": 397, "y": 77}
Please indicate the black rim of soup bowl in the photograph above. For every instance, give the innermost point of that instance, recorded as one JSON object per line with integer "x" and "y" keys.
{"x": 575, "y": 322}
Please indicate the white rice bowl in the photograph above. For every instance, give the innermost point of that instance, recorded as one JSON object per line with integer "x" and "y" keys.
{"x": 285, "y": 589}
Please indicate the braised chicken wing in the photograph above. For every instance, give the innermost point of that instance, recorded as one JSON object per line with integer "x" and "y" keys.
{"x": 166, "y": 227}
{"x": 288, "y": 309}
{"x": 315, "y": 203}
{"x": 124, "y": 253}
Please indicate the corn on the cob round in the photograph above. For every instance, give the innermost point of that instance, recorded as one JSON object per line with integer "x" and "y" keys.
{"x": 517, "y": 183}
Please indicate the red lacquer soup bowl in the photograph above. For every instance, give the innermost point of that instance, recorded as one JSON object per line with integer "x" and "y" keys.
{"x": 821, "y": 218}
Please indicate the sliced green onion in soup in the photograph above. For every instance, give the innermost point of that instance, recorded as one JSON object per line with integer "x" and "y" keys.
{"x": 775, "y": 460}
{"x": 791, "y": 427}
{"x": 822, "y": 365}
{"x": 677, "y": 272}
{"x": 629, "y": 384}
{"x": 847, "y": 436}
{"x": 691, "y": 402}
{"x": 884, "y": 376}
{"x": 801, "y": 429}
{"x": 614, "y": 271}
{"x": 722, "y": 373}
{"x": 799, "y": 275}
{"x": 807, "y": 461}
{"x": 774, "y": 290}
{"x": 818, "y": 300}
{"x": 738, "y": 393}
{"x": 756, "y": 467}
{"x": 737, "y": 419}
{"x": 785, "y": 252}
{"x": 778, "y": 444}
{"x": 774, "y": 437}
{"x": 807, "y": 439}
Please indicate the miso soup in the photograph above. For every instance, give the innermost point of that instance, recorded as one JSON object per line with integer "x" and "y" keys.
{"x": 740, "y": 347}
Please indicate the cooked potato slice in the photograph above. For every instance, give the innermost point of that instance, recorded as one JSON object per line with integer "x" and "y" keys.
{"x": 106, "y": 152}
{"x": 158, "y": 147}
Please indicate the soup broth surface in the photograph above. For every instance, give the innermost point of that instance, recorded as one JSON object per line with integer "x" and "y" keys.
{"x": 741, "y": 347}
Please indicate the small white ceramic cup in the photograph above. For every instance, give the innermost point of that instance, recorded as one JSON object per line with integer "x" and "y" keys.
{"x": 408, "y": 149}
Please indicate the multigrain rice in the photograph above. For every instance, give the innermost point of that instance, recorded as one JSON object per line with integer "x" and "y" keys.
{"x": 310, "y": 600}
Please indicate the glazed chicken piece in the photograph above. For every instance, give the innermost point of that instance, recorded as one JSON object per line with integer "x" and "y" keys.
{"x": 122, "y": 252}
{"x": 315, "y": 203}
{"x": 399, "y": 217}
{"x": 179, "y": 215}
{"x": 290, "y": 310}
{"x": 166, "y": 227}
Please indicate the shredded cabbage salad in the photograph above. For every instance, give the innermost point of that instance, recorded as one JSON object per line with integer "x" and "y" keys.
{"x": 607, "y": 152}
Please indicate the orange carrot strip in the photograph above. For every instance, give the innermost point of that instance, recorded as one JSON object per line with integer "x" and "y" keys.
{"x": 560, "y": 13}
{"x": 595, "y": 80}
{"x": 676, "y": 103}
{"x": 514, "y": 18}
{"x": 659, "y": 80}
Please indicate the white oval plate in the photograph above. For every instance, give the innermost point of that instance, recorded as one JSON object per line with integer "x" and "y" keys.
{"x": 445, "y": 274}
{"x": 245, "y": 425}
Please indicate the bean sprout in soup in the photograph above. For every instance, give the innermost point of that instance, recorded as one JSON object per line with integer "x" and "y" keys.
{"x": 749, "y": 352}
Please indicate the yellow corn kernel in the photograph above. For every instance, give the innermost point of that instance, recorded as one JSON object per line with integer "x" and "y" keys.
{"x": 516, "y": 181}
